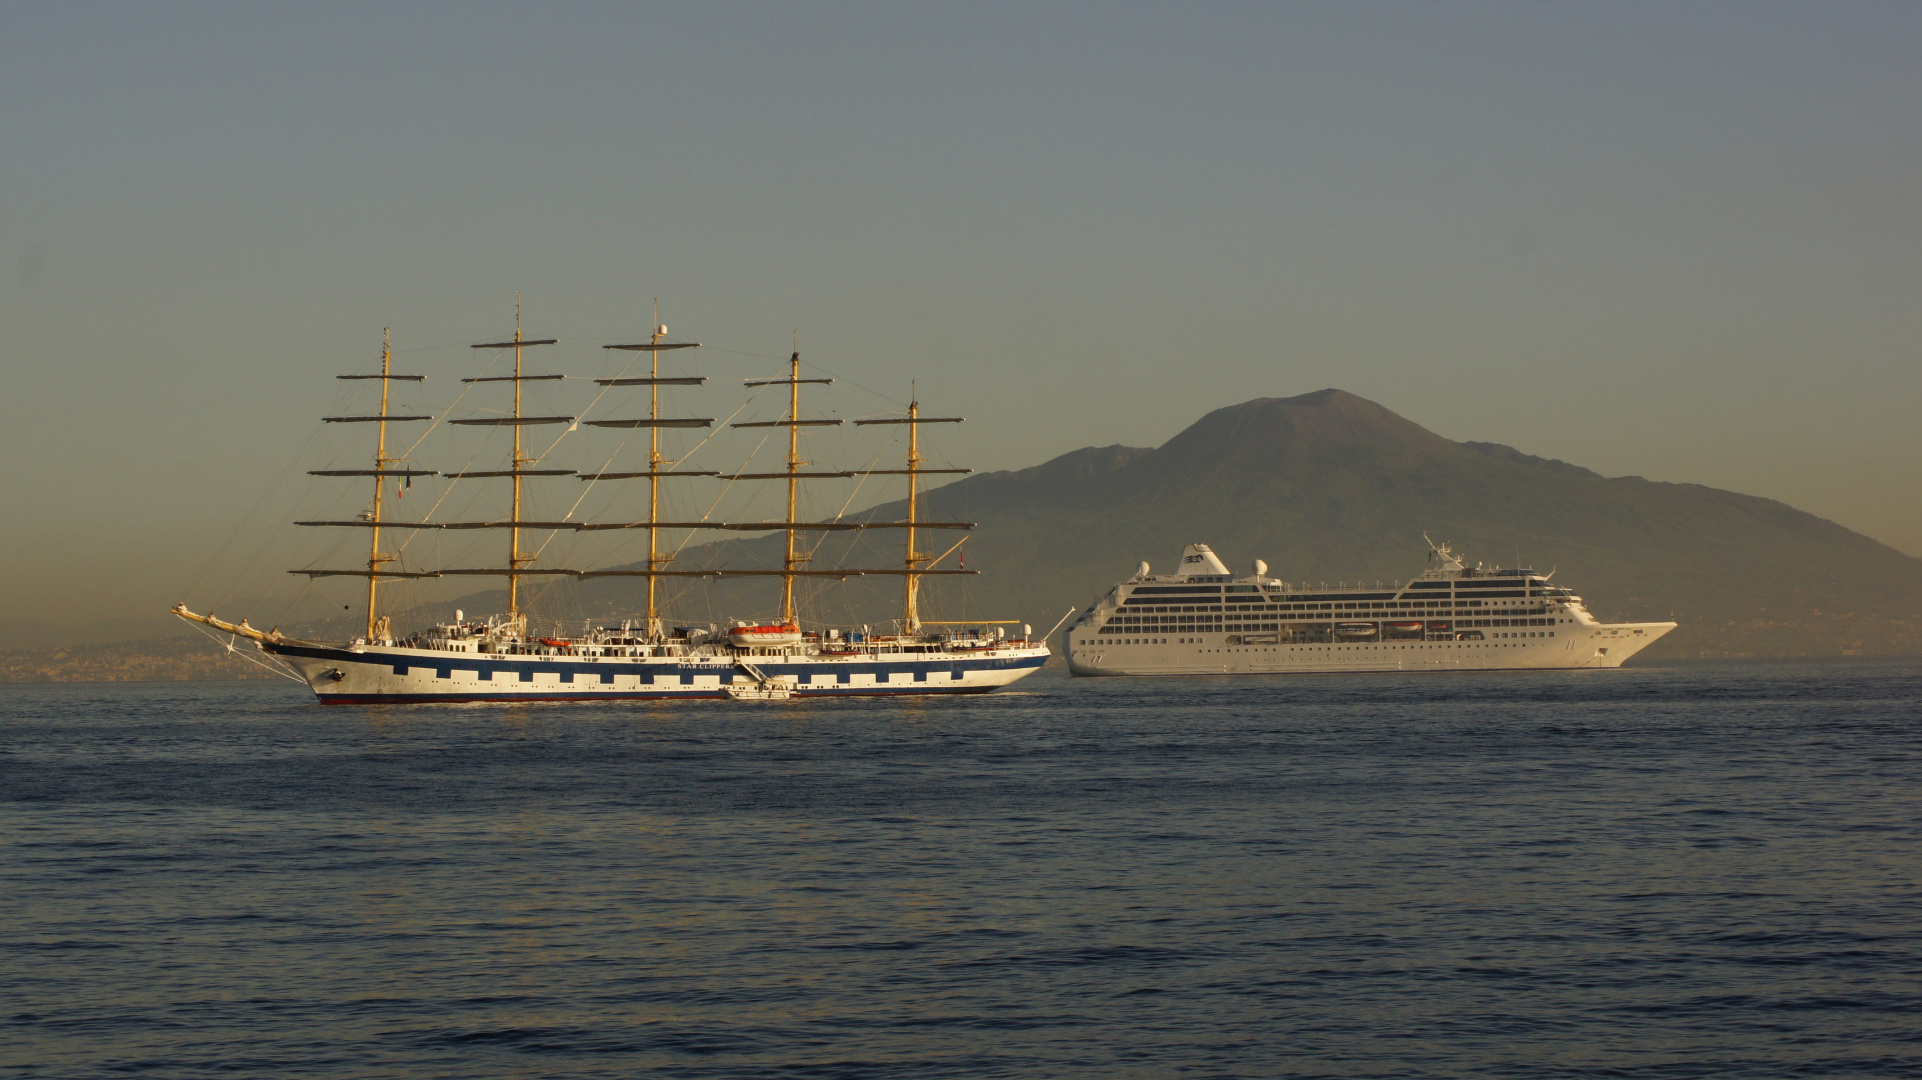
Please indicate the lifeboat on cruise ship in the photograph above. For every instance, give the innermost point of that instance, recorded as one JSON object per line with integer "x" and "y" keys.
{"x": 750, "y": 636}
{"x": 1355, "y": 631}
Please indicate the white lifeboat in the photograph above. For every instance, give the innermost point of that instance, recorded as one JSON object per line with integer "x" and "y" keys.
{"x": 753, "y": 636}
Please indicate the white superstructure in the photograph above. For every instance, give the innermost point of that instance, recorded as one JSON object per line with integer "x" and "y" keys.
{"x": 1206, "y": 621}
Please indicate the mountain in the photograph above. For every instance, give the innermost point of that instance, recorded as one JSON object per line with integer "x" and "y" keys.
{"x": 1331, "y": 487}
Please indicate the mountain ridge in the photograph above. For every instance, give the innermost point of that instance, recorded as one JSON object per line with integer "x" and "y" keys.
{"x": 1331, "y": 486}
{"x": 1325, "y": 486}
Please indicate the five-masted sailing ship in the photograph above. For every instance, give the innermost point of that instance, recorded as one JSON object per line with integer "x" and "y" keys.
{"x": 497, "y": 658}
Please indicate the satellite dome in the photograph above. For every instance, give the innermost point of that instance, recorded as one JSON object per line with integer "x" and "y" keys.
{"x": 1261, "y": 568}
{"x": 1142, "y": 570}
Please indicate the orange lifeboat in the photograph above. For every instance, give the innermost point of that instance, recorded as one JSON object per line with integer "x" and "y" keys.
{"x": 751, "y": 636}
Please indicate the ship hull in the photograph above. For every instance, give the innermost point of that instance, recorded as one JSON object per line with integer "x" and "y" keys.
{"x": 1572, "y": 647}
{"x": 362, "y": 675}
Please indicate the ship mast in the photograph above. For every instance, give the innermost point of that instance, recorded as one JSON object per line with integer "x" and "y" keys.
{"x": 380, "y": 472}
{"x": 654, "y": 460}
{"x": 791, "y": 560}
{"x": 518, "y": 561}
{"x": 654, "y": 423}
{"x": 910, "y": 615}
{"x": 374, "y": 557}
{"x": 912, "y": 575}
{"x": 795, "y": 470}
{"x": 788, "y": 562}
{"x": 515, "y": 557}
{"x": 917, "y": 565}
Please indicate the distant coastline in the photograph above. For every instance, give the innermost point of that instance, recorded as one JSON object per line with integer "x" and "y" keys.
{"x": 170, "y": 659}
{"x": 1323, "y": 486}
{"x": 182, "y": 659}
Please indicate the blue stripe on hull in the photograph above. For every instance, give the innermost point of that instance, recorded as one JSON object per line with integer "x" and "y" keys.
{"x": 487, "y": 669}
{"x": 458, "y": 699}
{"x": 661, "y": 680}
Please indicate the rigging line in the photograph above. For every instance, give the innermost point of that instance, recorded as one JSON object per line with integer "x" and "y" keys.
{"x": 849, "y": 545}
{"x": 859, "y": 484}
{"x": 936, "y": 561}
{"x": 622, "y": 445}
{"x": 444, "y": 413}
{"x": 247, "y": 568}
{"x": 291, "y": 604}
{"x": 228, "y": 647}
{"x": 863, "y": 387}
{"x": 818, "y": 367}
{"x": 754, "y": 355}
{"x": 722, "y": 426}
{"x": 725, "y": 488}
{"x": 445, "y": 492}
{"x": 339, "y": 403}
{"x": 575, "y": 426}
{"x": 447, "y": 347}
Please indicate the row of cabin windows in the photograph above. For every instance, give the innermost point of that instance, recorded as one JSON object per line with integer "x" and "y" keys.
{"x": 1126, "y": 626}
{"x": 1479, "y": 592}
{"x": 1480, "y": 583}
{"x": 1259, "y": 627}
{"x": 1450, "y": 583}
{"x": 1130, "y": 607}
{"x": 1175, "y": 620}
{"x": 1138, "y": 597}
{"x": 668, "y": 679}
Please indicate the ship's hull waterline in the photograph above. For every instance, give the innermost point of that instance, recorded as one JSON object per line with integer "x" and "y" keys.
{"x": 1206, "y": 621}
{"x": 353, "y": 675}
{"x": 497, "y": 659}
{"x": 1604, "y": 647}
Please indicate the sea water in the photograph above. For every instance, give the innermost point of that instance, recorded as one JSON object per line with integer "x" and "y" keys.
{"x": 1683, "y": 870}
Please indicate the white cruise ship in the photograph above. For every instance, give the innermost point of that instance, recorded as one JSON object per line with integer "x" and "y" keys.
{"x": 1206, "y": 621}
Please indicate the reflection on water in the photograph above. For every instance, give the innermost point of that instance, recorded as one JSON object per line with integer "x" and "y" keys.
{"x": 1695, "y": 870}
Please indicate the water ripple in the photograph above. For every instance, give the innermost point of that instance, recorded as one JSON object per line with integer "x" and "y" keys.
{"x": 1698, "y": 870}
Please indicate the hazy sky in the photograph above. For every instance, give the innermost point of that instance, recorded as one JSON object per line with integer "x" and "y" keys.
{"x": 1681, "y": 241}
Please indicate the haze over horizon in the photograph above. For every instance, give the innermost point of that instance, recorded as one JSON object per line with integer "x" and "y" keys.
{"x": 1680, "y": 243}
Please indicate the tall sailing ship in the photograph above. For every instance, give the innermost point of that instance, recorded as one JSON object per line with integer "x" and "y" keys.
{"x": 1204, "y": 620}
{"x": 498, "y": 658}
